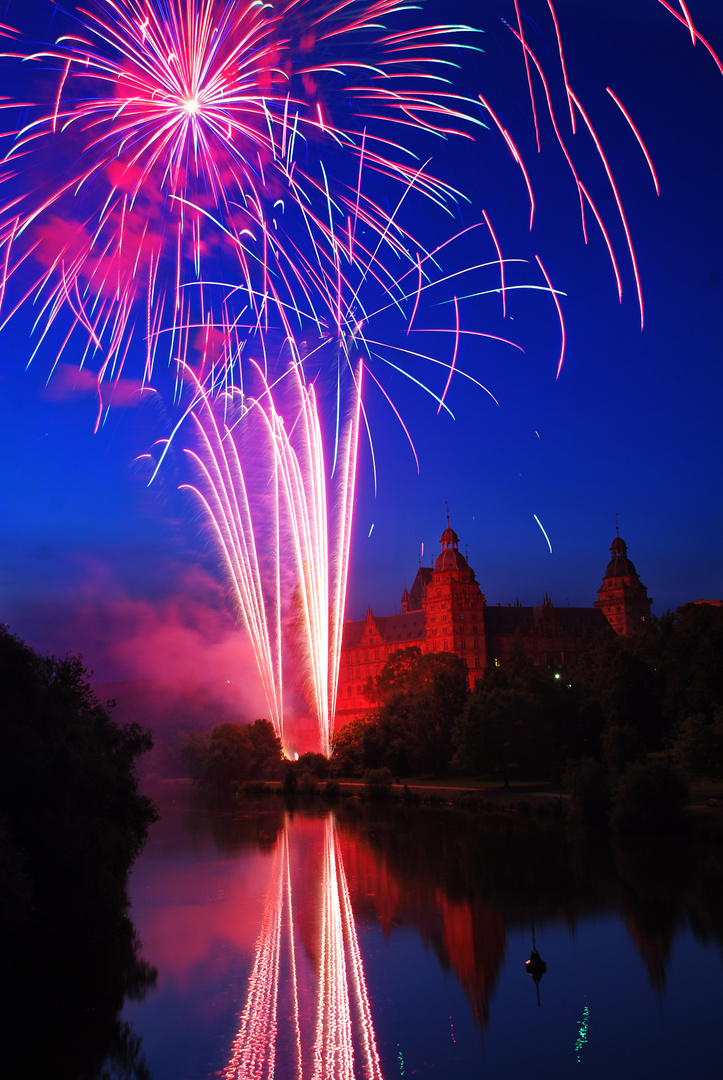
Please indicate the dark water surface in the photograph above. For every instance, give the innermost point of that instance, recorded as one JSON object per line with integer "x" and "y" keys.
{"x": 391, "y": 942}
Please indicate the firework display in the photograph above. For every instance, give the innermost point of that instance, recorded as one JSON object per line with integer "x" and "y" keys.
{"x": 224, "y": 201}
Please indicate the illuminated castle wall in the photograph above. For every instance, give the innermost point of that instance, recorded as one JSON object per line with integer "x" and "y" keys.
{"x": 445, "y": 611}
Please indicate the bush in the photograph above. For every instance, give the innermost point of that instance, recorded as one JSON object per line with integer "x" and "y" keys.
{"x": 308, "y": 783}
{"x": 378, "y": 783}
{"x": 316, "y": 765}
{"x": 255, "y": 787}
{"x": 331, "y": 790}
{"x": 291, "y": 782}
{"x": 649, "y": 798}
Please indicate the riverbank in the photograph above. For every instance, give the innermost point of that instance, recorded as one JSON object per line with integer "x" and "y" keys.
{"x": 540, "y": 798}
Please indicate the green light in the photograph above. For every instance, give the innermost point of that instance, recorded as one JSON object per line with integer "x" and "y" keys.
{"x": 582, "y": 1031}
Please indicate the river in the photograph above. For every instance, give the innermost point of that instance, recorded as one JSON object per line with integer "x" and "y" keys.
{"x": 368, "y": 940}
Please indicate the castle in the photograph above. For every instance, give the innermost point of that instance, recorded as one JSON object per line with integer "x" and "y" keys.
{"x": 446, "y": 611}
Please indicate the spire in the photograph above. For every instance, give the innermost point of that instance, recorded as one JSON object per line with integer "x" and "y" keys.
{"x": 449, "y": 538}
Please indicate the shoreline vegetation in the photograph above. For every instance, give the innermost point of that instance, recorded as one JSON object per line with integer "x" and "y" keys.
{"x": 72, "y": 823}
{"x": 530, "y": 801}
{"x": 619, "y": 739}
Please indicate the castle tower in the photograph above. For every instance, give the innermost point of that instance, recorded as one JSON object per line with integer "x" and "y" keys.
{"x": 622, "y": 597}
{"x": 454, "y": 608}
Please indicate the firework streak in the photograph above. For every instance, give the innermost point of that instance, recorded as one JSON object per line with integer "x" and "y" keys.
{"x": 296, "y": 519}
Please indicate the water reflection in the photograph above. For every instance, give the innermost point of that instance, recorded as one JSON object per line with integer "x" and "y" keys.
{"x": 390, "y": 941}
{"x": 342, "y": 1025}
{"x": 66, "y": 973}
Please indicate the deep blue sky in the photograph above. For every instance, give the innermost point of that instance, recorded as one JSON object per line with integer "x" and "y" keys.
{"x": 90, "y": 557}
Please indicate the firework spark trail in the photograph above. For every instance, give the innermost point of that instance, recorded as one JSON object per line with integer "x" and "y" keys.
{"x": 342, "y": 548}
{"x": 311, "y": 537}
{"x": 225, "y": 498}
{"x": 320, "y": 547}
{"x": 170, "y": 116}
{"x": 190, "y": 113}
{"x": 574, "y": 105}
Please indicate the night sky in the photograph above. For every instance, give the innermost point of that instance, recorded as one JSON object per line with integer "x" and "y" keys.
{"x": 92, "y": 560}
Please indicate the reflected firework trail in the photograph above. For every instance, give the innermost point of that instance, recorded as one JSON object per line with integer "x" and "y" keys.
{"x": 341, "y": 963}
{"x": 303, "y": 526}
{"x": 344, "y": 1043}
{"x": 254, "y": 1048}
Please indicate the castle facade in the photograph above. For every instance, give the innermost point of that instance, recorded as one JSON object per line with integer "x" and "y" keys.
{"x": 446, "y": 611}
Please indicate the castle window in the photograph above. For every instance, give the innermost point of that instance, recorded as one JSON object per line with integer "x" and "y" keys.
{"x": 446, "y": 646}
{"x": 461, "y": 616}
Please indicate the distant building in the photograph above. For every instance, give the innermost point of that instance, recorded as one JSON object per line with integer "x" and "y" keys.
{"x": 446, "y": 611}
{"x": 622, "y": 598}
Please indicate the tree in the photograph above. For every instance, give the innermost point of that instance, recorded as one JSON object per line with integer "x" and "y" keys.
{"x": 194, "y": 753}
{"x": 68, "y": 790}
{"x": 230, "y": 755}
{"x": 621, "y": 747}
{"x": 519, "y": 721}
{"x": 420, "y": 696}
{"x": 268, "y": 751}
{"x": 624, "y": 679}
{"x": 73, "y": 821}
{"x": 350, "y": 744}
{"x": 502, "y": 733}
{"x": 691, "y": 646}
{"x": 698, "y": 746}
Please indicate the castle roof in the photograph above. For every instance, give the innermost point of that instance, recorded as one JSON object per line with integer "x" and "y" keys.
{"x": 450, "y": 557}
{"x": 419, "y": 588}
{"x": 392, "y": 629}
{"x": 620, "y": 565}
{"x": 576, "y": 622}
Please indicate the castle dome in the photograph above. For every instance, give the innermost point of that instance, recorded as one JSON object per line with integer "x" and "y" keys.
{"x": 450, "y": 557}
{"x": 620, "y": 565}
{"x": 448, "y": 537}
